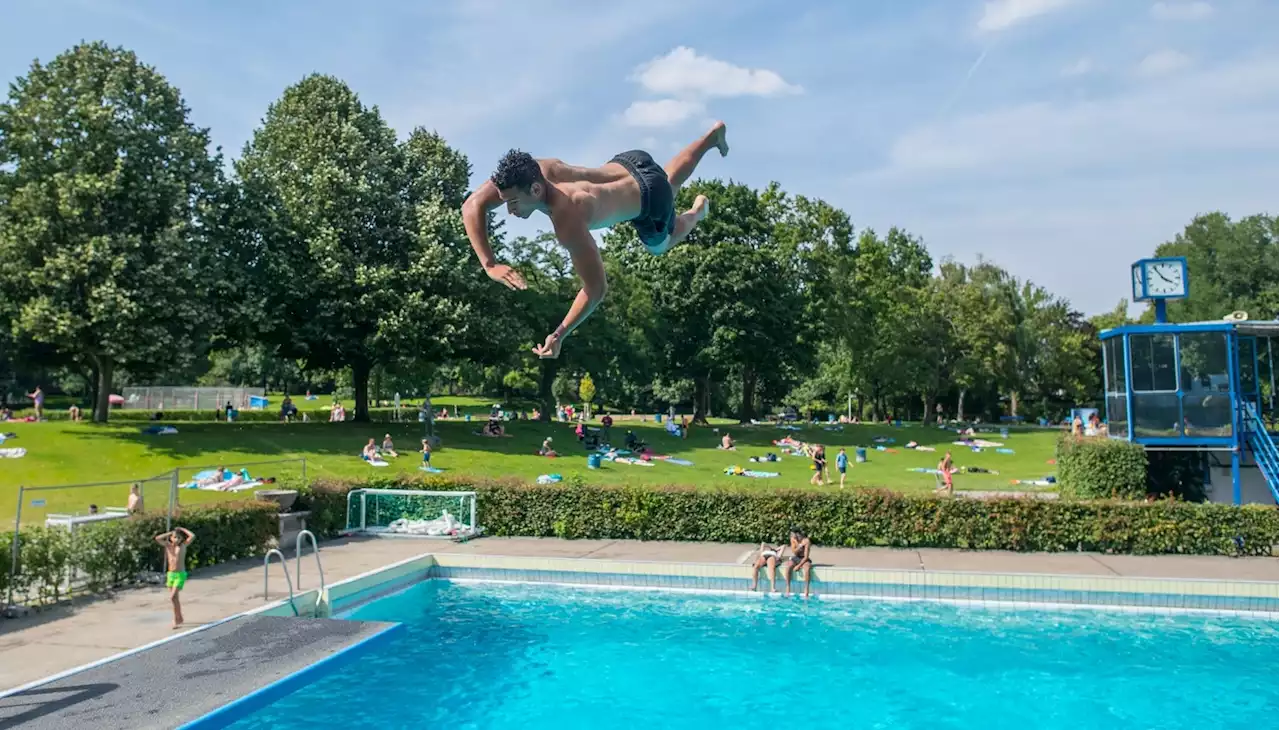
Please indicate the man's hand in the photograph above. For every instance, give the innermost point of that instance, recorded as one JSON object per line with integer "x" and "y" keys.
{"x": 550, "y": 348}
{"x": 506, "y": 275}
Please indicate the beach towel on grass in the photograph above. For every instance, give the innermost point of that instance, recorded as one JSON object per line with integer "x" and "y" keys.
{"x": 549, "y": 478}
{"x": 1004, "y": 451}
{"x": 1033, "y": 482}
{"x": 226, "y": 486}
{"x": 674, "y": 460}
{"x": 632, "y": 461}
{"x": 160, "y": 430}
{"x": 378, "y": 462}
{"x": 734, "y": 471}
{"x": 16, "y": 453}
{"x": 431, "y": 469}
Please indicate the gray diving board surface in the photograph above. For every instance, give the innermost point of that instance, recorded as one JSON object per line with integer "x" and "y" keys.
{"x": 187, "y": 678}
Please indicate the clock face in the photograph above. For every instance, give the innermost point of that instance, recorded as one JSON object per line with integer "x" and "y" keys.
{"x": 1137, "y": 283}
{"x": 1164, "y": 279}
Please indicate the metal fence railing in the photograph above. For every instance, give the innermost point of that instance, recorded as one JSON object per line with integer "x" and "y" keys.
{"x": 174, "y": 398}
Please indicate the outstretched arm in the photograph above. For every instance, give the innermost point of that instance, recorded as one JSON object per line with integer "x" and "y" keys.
{"x": 576, "y": 237}
{"x": 475, "y": 217}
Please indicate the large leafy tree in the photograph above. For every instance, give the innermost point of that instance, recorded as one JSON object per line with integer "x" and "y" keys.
{"x": 1232, "y": 265}
{"x": 109, "y": 211}
{"x": 345, "y": 234}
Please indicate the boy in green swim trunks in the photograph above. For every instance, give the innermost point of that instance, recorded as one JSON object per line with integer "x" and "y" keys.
{"x": 175, "y": 555}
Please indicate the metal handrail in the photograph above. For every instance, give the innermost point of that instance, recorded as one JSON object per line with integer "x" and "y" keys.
{"x": 1264, "y": 449}
{"x": 297, "y": 558}
{"x": 266, "y": 577}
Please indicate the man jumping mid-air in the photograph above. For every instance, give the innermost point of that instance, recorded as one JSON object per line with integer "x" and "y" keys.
{"x": 630, "y": 187}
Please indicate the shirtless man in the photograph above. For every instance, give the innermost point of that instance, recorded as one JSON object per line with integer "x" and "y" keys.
{"x": 175, "y": 554}
{"x": 630, "y": 187}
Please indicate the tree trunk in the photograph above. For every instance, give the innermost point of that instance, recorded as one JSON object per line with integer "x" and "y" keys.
{"x": 545, "y": 397}
{"x": 747, "y": 411}
{"x": 1013, "y": 403}
{"x": 928, "y": 407}
{"x": 701, "y": 400}
{"x": 960, "y": 406}
{"x": 360, "y": 381}
{"x": 102, "y": 404}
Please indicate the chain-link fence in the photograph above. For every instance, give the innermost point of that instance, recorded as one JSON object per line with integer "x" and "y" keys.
{"x": 164, "y": 397}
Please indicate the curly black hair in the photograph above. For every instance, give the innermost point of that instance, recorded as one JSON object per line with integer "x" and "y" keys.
{"x": 517, "y": 169}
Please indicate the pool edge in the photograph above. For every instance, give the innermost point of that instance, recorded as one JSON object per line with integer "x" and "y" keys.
{"x": 246, "y": 705}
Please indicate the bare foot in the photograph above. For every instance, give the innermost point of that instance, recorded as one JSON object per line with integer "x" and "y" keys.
{"x": 717, "y": 135}
{"x": 701, "y": 206}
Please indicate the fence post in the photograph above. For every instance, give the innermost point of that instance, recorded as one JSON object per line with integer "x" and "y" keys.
{"x": 13, "y": 563}
{"x": 173, "y": 497}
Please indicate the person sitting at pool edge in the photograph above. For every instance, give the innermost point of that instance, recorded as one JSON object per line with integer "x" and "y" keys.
{"x": 768, "y": 557}
{"x": 800, "y": 560}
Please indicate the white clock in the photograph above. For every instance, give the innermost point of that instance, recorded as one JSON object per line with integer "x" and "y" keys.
{"x": 1138, "y": 292}
{"x": 1165, "y": 278}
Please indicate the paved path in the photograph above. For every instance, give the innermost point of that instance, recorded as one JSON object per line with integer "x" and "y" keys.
{"x": 68, "y": 636}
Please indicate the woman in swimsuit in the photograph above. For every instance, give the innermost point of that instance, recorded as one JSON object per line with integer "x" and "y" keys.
{"x": 769, "y": 556}
{"x": 799, "y": 560}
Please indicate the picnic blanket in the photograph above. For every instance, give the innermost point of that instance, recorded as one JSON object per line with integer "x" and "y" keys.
{"x": 160, "y": 430}
{"x": 737, "y": 471}
{"x": 14, "y": 453}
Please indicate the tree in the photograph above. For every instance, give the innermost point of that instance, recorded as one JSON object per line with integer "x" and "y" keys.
{"x": 109, "y": 212}
{"x": 727, "y": 303}
{"x": 1230, "y": 266}
{"x": 587, "y": 391}
{"x": 350, "y": 241}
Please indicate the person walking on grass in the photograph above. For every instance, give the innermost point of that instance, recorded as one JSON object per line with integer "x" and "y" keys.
{"x": 820, "y": 472}
{"x": 37, "y": 397}
{"x": 175, "y": 544}
{"x": 842, "y": 465}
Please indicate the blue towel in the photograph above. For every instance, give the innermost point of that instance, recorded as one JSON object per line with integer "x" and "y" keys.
{"x": 431, "y": 469}
{"x": 1004, "y": 451}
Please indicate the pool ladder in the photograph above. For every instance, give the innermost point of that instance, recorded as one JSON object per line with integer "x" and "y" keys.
{"x": 321, "y": 609}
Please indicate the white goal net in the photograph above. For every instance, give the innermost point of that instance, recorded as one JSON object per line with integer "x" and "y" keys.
{"x": 412, "y": 513}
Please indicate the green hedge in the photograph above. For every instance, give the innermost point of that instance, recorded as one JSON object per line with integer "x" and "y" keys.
{"x": 1101, "y": 468}
{"x": 111, "y": 554}
{"x": 854, "y": 518}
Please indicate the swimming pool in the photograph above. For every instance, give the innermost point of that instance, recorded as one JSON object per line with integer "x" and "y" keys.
{"x": 482, "y": 655}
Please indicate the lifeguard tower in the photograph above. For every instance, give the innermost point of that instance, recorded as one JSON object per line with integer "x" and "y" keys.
{"x": 1204, "y": 387}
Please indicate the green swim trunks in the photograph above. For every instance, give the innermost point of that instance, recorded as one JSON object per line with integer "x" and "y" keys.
{"x": 176, "y": 579}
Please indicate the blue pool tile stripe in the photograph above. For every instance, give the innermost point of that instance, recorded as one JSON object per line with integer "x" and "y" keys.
{"x": 237, "y": 709}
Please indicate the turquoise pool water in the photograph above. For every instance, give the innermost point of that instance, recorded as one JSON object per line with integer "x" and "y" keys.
{"x": 531, "y": 657}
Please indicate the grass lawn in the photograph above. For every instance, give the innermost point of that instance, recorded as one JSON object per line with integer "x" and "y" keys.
{"x": 61, "y": 453}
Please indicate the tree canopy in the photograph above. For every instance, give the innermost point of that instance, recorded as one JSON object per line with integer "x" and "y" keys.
{"x": 335, "y": 257}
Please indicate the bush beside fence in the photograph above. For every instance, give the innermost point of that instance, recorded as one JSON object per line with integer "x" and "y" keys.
{"x": 855, "y": 518}
{"x": 112, "y": 554}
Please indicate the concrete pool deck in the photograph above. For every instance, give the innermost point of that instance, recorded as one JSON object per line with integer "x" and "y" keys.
{"x": 65, "y": 637}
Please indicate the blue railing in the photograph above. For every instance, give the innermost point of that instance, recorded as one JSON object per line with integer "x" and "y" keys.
{"x": 1264, "y": 449}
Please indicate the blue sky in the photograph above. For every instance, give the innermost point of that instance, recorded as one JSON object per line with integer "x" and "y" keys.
{"x": 1061, "y": 139}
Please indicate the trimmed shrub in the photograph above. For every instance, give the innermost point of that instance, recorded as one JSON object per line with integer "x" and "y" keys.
{"x": 108, "y": 555}
{"x": 1101, "y": 468}
{"x": 854, "y": 518}
{"x": 270, "y": 415}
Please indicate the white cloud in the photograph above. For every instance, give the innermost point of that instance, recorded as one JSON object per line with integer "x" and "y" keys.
{"x": 1163, "y": 62}
{"x": 998, "y": 15}
{"x": 1198, "y": 10}
{"x": 1134, "y": 128}
{"x": 685, "y": 73}
{"x": 661, "y": 112}
{"x": 1080, "y": 68}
